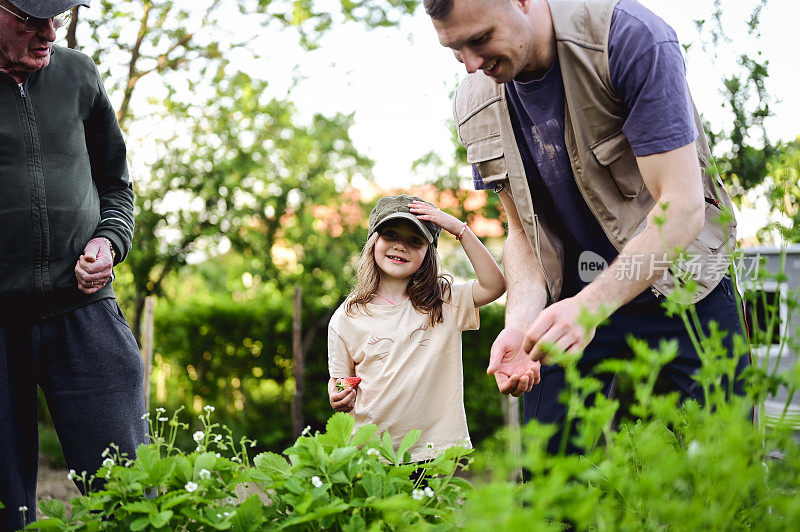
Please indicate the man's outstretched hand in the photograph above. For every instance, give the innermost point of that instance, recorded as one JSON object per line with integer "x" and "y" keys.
{"x": 512, "y": 368}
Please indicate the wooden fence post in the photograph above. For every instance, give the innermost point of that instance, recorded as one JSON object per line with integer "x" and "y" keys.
{"x": 511, "y": 415}
{"x": 299, "y": 363}
{"x": 147, "y": 346}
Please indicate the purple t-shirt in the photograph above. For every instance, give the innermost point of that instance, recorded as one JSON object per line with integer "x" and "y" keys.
{"x": 648, "y": 73}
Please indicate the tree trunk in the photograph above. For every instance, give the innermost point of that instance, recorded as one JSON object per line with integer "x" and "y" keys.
{"x": 299, "y": 363}
{"x": 138, "y": 312}
{"x": 72, "y": 39}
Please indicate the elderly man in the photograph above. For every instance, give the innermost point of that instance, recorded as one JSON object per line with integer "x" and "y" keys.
{"x": 66, "y": 217}
{"x": 578, "y": 114}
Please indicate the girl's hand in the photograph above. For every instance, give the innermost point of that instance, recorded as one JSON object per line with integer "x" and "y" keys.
{"x": 426, "y": 211}
{"x": 343, "y": 401}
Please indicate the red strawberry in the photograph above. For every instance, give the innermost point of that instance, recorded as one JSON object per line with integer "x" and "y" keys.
{"x": 348, "y": 382}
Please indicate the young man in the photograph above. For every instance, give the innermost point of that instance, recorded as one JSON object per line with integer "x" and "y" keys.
{"x": 578, "y": 114}
{"x": 66, "y": 216}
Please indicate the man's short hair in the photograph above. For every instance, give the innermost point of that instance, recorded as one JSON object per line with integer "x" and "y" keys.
{"x": 438, "y": 9}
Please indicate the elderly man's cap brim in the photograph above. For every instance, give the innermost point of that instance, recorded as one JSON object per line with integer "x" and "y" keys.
{"x": 46, "y": 9}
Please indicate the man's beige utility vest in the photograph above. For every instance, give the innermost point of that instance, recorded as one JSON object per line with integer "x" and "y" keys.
{"x": 603, "y": 163}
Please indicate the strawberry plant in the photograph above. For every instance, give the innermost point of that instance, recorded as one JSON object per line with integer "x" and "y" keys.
{"x": 337, "y": 480}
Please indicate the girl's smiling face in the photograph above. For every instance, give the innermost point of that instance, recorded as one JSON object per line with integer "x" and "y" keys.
{"x": 400, "y": 249}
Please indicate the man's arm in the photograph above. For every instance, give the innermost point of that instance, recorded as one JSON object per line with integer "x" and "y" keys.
{"x": 526, "y": 297}
{"x": 114, "y": 234}
{"x": 674, "y": 180}
{"x": 107, "y": 153}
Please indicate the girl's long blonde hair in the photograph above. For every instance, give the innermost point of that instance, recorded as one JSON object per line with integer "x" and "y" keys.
{"x": 427, "y": 289}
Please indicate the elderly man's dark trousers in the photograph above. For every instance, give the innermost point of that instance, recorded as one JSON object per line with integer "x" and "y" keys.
{"x": 89, "y": 368}
{"x": 647, "y": 321}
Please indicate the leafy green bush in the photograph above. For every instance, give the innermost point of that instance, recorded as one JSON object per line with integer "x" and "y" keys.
{"x": 673, "y": 466}
{"x": 337, "y": 480}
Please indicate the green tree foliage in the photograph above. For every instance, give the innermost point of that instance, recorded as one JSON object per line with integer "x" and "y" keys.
{"x": 225, "y": 162}
{"x": 784, "y": 189}
{"x": 743, "y": 148}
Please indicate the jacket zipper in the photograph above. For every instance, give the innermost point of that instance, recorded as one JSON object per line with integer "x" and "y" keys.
{"x": 40, "y": 275}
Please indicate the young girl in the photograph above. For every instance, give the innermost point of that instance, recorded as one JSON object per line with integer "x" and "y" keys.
{"x": 400, "y": 328}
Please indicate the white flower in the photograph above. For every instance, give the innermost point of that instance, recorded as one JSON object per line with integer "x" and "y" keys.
{"x": 146, "y": 415}
{"x": 372, "y": 451}
{"x": 163, "y": 418}
{"x": 417, "y": 495}
{"x": 105, "y": 453}
{"x": 693, "y": 448}
{"x": 160, "y": 410}
{"x": 71, "y": 474}
{"x": 218, "y": 455}
{"x": 198, "y": 449}
{"x": 252, "y": 444}
{"x": 198, "y": 436}
{"x": 306, "y": 430}
{"x": 108, "y": 474}
{"x": 219, "y": 516}
{"x": 235, "y": 459}
{"x": 204, "y": 474}
{"x": 315, "y": 480}
{"x": 429, "y": 445}
{"x": 108, "y": 463}
{"x": 190, "y": 486}
{"x": 226, "y": 514}
{"x": 218, "y": 438}
{"x": 428, "y": 491}
{"x": 23, "y": 508}
{"x": 209, "y": 409}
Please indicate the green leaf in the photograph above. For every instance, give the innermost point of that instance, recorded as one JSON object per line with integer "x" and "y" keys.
{"x": 54, "y": 508}
{"x": 140, "y": 523}
{"x": 51, "y": 523}
{"x": 363, "y": 434}
{"x": 409, "y": 440}
{"x": 160, "y": 472}
{"x": 340, "y": 428}
{"x": 144, "y": 507}
{"x": 317, "y": 514}
{"x": 173, "y": 499}
{"x": 147, "y": 458}
{"x": 342, "y": 455}
{"x": 204, "y": 461}
{"x": 248, "y": 516}
{"x": 161, "y": 518}
{"x": 356, "y": 524}
{"x": 386, "y": 449}
{"x": 272, "y": 464}
{"x": 183, "y": 469}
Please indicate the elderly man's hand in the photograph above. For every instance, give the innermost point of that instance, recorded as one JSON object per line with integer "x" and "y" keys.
{"x": 93, "y": 269}
{"x": 512, "y": 367}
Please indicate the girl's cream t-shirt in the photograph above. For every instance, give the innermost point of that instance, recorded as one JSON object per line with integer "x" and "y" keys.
{"x": 412, "y": 375}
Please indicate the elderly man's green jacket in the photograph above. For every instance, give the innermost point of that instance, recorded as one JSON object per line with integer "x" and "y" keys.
{"x": 63, "y": 181}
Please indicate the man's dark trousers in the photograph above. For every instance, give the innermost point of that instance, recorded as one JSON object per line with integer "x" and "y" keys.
{"x": 645, "y": 320}
{"x": 89, "y": 368}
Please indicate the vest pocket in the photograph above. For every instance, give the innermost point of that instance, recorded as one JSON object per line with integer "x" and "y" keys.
{"x": 487, "y": 155}
{"x": 615, "y": 154}
{"x": 713, "y": 234}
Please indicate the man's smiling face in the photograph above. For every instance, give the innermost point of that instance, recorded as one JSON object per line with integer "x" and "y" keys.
{"x": 495, "y": 36}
